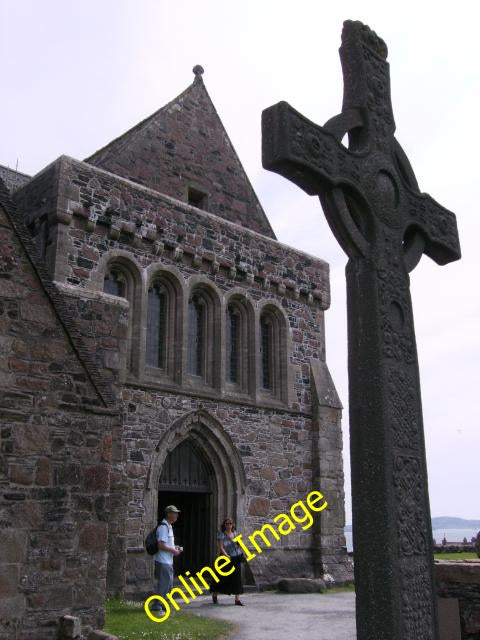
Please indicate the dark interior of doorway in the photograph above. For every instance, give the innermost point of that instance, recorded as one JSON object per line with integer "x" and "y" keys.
{"x": 192, "y": 529}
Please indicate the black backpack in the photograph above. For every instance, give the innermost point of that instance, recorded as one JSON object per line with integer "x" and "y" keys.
{"x": 151, "y": 542}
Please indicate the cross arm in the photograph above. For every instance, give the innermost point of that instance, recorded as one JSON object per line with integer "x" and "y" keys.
{"x": 437, "y": 225}
{"x": 305, "y": 153}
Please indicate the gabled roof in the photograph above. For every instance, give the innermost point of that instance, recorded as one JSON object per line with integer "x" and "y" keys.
{"x": 183, "y": 147}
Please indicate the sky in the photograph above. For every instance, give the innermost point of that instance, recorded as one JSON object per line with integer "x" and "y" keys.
{"x": 76, "y": 75}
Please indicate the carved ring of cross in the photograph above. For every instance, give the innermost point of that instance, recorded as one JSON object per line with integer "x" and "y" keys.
{"x": 413, "y": 244}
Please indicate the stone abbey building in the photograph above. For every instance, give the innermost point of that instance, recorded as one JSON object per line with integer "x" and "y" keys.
{"x": 158, "y": 345}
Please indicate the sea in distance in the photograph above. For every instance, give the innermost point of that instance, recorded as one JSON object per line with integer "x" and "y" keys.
{"x": 452, "y": 535}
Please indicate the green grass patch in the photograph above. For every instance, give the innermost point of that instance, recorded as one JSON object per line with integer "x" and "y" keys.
{"x": 347, "y": 589}
{"x": 128, "y": 621}
{"x": 462, "y": 555}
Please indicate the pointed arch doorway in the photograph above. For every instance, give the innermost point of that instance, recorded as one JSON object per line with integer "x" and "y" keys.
{"x": 187, "y": 481}
{"x": 199, "y": 470}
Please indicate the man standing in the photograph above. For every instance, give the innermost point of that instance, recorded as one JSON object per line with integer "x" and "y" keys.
{"x": 164, "y": 556}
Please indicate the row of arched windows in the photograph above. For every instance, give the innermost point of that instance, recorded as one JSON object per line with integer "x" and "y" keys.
{"x": 196, "y": 340}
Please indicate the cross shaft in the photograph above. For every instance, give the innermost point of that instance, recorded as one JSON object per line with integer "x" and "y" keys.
{"x": 371, "y": 200}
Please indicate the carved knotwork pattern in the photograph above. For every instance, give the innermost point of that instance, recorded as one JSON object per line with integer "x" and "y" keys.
{"x": 437, "y": 221}
{"x": 369, "y": 39}
{"x": 349, "y": 167}
{"x": 398, "y": 343}
{"x": 391, "y": 256}
{"x": 311, "y": 146}
{"x": 403, "y": 410}
{"x": 378, "y": 99}
{"x": 409, "y": 490}
{"x": 417, "y": 613}
{"x": 317, "y": 149}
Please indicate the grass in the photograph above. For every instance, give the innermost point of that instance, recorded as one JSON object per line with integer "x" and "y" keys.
{"x": 348, "y": 588}
{"x": 128, "y": 621}
{"x": 462, "y": 555}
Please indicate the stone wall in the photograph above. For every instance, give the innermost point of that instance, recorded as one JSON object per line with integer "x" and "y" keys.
{"x": 99, "y": 211}
{"x": 274, "y": 454}
{"x": 329, "y": 555}
{"x": 182, "y": 146}
{"x": 56, "y": 446}
{"x": 458, "y": 583}
{"x": 103, "y": 218}
{"x": 36, "y": 202}
{"x": 13, "y": 179}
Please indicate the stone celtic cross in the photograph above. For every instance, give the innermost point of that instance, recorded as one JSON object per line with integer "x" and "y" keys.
{"x": 384, "y": 224}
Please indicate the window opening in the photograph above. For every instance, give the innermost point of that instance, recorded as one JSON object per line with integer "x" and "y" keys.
{"x": 233, "y": 344}
{"x": 197, "y": 198}
{"x": 156, "y": 327}
{"x": 266, "y": 349}
{"x": 114, "y": 283}
{"x": 196, "y": 336}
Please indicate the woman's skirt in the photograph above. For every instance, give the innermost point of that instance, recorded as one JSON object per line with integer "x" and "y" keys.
{"x": 231, "y": 584}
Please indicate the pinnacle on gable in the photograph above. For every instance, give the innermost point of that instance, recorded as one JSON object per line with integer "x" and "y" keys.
{"x": 198, "y": 72}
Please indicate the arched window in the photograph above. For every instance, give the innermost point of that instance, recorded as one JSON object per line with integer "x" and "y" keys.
{"x": 197, "y": 339}
{"x": 157, "y": 315}
{"x": 163, "y": 339}
{"x": 122, "y": 279}
{"x": 267, "y": 352}
{"x": 239, "y": 346}
{"x": 273, "y": 354}
{"x": 234, "y": 344}
{"x": 203, "y": 345}
{"x": 115, "y": 283}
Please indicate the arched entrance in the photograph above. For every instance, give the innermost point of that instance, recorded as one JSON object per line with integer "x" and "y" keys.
{"x": 187, "y": 482}
{"x": 198, "y": 469}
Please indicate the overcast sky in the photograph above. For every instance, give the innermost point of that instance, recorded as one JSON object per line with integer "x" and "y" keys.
{"x": 75, "y": 75}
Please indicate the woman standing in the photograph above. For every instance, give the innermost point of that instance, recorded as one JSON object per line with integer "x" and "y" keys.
{"x": 233, "y": 582}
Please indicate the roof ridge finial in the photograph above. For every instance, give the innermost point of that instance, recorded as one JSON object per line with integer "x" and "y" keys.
{"x": 198, "y": 70}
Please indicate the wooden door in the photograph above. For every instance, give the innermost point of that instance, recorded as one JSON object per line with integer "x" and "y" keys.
{"x": 186, "y": 482}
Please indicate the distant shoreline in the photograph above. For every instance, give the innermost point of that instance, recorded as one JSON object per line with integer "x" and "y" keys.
{"x": 453, "y": 535}
{"x": 445, "y": 522}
